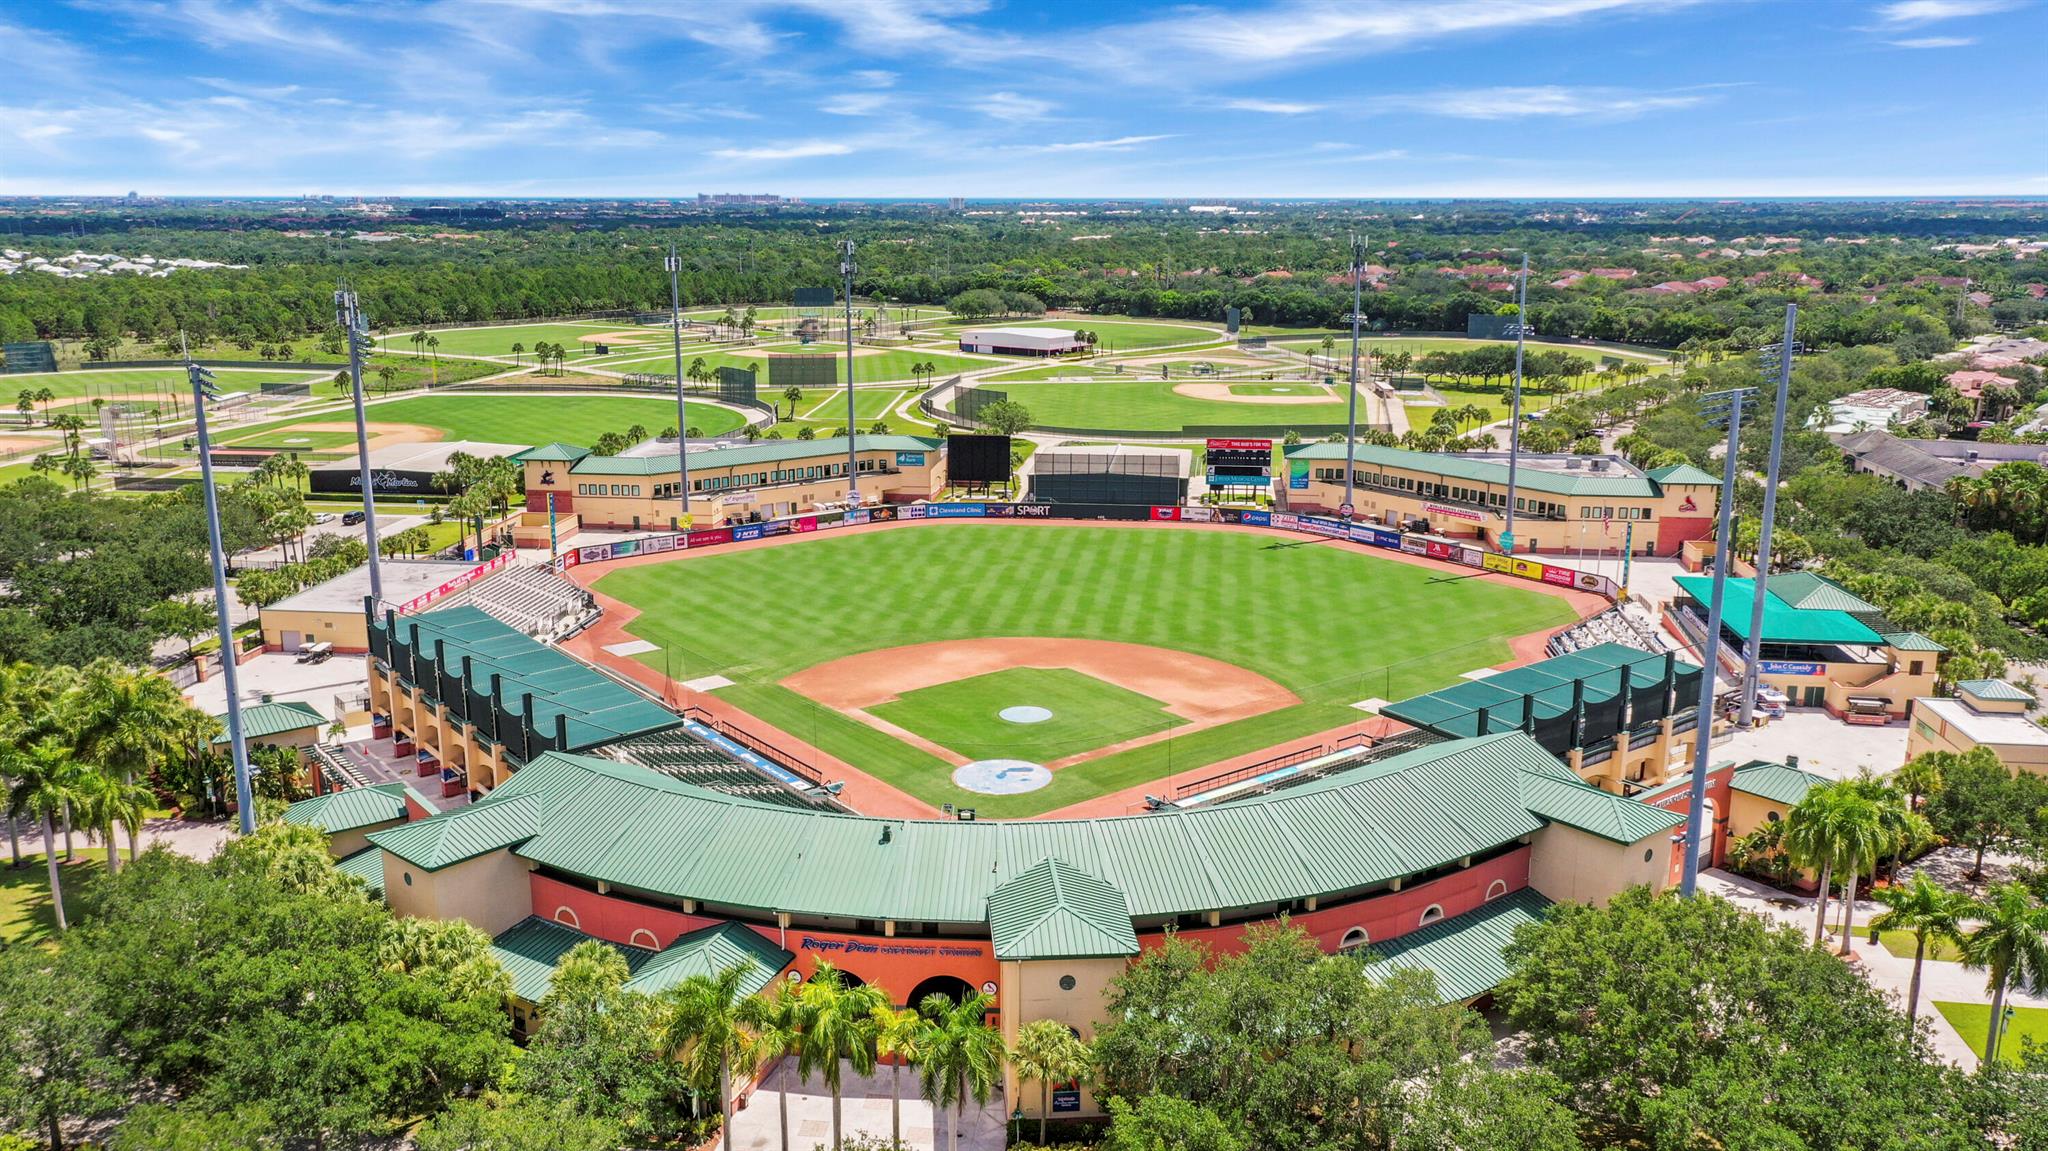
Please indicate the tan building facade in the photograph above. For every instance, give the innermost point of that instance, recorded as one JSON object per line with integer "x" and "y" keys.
{"x": 1987, "y": 713}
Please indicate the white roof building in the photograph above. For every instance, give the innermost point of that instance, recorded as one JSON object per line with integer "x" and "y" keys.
{"x": 1026, "y": 341}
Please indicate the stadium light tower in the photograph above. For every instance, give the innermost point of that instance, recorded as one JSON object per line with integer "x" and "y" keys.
{"x": 1507, "y": 535}
{"x": 349, "y": 314}
{"x": 1351, "y": 410}
{"x": 1710, "y": 650}
{"x": 203, "y": 390}
{"x": 674, "y": 264}
{"x": 1752, "y": 651}
{"x": 846, "y": 270}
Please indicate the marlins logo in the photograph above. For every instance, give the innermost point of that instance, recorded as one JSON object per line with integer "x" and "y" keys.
{"x": 547, "y": 477}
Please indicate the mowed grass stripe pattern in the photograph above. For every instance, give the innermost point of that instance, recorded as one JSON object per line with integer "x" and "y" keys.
{"x": 514, "y": 419}
{"x": 1330, "y": 622}
{"x": 1087, "y": 713}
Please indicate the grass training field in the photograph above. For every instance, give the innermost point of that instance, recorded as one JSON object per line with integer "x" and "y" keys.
{"x": 1331, "y": 623}
{"x": 1972, "y": 1021}
{"x": 1086, "y": 714}
{"x": 502, "y": 419}
{"x": 1153, "y": 406}
{"x": 894, "y": 364}
{"x": 116, "y": 384}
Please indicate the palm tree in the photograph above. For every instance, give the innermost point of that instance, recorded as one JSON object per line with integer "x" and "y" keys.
{"x": 961, "y": 1054}
{"x": 2010, "y": 944}
{"x": 418, "y": 338}
{"x": 708, "y": 1031}
{"x": 1809, "y": 843}
{"x": 1922, "y": 775}
{"x": 897, "y": 1032}
{"x": 1859, "y": 836}
{"x": 46, "y": 782}
{"x": 517, "y": 350}
{"x": 1879, "y": 825}
{"x": 1049, "y": 1052}
{"x": 1928, "y": 910}
{"x": 838, "y": 1029}
{"x": 777, "y": 1024}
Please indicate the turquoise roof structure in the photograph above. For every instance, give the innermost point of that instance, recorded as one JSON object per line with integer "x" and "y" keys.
{"x": 1783, "y": 623}
{"x": 354, "y": 807}
{"x": 264, "y": 720}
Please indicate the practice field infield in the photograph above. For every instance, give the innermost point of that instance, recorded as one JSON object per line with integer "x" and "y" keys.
{"x": 500, "y": 419}
{"x": 117, "y": 384}
{"x": 1170, "y": 405}
{"x": 1205, "y": 644}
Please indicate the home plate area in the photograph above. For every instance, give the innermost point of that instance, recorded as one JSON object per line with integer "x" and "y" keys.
{"x": 1001, "y": 776}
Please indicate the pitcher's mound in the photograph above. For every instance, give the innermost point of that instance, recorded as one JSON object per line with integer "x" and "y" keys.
{"x": 1025, "y": 714}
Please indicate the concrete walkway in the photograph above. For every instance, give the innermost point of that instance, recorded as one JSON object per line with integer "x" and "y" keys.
{"x": 1939, "y": 981}
{"x": 864, "y": 1110}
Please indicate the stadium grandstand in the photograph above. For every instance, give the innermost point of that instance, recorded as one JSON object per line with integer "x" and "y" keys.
{"x": 1615, "y": 625}
{"x": 538, "y": 601}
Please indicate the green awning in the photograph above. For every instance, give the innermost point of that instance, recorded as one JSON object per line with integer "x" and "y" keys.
{"x": 1464, "y": 951}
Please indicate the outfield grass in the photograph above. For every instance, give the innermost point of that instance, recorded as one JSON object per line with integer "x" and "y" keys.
{"x": 498, "y": 341}
{"x": 1331, "y": 623}
{"x": 26, "y": 912}
{"x": 117, "y": 384}
{"x": 1141, "y": 405}
{"x": 1086, "y": 714}
{"x": 508, "y": 419}
{"x": 1973, "y": 1020}
{"x": 894, "y": 364}
{"x": 1297, "y": 388}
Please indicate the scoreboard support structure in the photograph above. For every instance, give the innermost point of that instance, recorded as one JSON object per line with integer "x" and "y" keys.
{"x": 1238, "y": 466}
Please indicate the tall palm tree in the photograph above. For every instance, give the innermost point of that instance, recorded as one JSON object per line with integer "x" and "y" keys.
{"x": 1928, "y": 910}
{"x": 777, "y": 1023}
{"x": 1048, "y": 1052}
{"x": 127, "y": 722}
{"x": 2010, "y": 944}
{"x": 897, "y": 1033}
{"x": 961, "y": 1054}
{"x": 1810, "y": 843}
{"x": 838, "y": 1030}
{"x": 47, "y": 781}
{"x": 707, "y": 1030}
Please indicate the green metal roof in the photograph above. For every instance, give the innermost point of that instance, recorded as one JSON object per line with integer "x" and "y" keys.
{"x": 1775, "y": 782}
{"x": 1911, "y": 641}
{"x": 1484, "y": 469}
{"x": 532, "y": 948}
{"x": 368, "y": 866}
{"x": 1682, "y": 474}
{"x": 1783, "y": 623}
{"x": 552, "y": 453}
{"x": 1465, "y": 951}
{"x": 1809, "y": 591}
{"x": 599, "y": 709}
{"x": 758, "y": 452}
{"x": 1454, "y": 710}
{"x": 1562, "y": 797}
{"x": 636, "y": 829}
{"x": 1056, "y": 911}
{"x": 1994, "y": 689}
{"x": 352, "y": 808}
{"x": 710, "y": 951}
{"x": 267, "y": 719}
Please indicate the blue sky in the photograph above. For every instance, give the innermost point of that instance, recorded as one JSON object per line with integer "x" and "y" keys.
{"x": 823, "y": 98}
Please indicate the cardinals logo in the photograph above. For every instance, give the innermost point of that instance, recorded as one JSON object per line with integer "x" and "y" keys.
{"x": 1688, "y": 506}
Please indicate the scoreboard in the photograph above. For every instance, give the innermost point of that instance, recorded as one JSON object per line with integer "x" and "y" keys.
{"x": 1233, "y": 463}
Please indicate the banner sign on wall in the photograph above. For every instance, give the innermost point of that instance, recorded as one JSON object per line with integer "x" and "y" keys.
{"x": 1297, "y": 475}
{"x": 455, "y": 584}
{"x": 744, "y": 532}
{"x": 1257, "y": 519}
{"x": 909, "y": 459}
{"x": 1166, "y": 513}
{"x": 1786, "y": 667}
{"x": 1453, "y": 513}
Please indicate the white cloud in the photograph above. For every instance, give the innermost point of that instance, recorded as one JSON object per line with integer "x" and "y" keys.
{"x": 1910, "y": 12}
{"x": 1508, "y": 103}
{"x": 854, "y": 104}
{"x": 1120, "y": 144}
{"x": 1010, "y": 106}
{"x": 875, "y": 78}
{"x": 797, "y": 151}
{"x": 252, "y": 91}
{"x": 1276, "y": 107}
{"x": 1934, "y": 42}
{"x": 1305, "y": 28}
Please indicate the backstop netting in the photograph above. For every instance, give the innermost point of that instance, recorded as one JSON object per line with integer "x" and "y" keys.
{"x": 969, "y": 402}
{"x": 28, "y": 356}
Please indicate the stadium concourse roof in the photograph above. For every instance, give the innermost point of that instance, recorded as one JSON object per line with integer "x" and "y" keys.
{"x": 634, "y": 829}
{"x": 1618, "y": 479}
{"x": 532, "y": 948}
{"x": 583, "y": 463}
{"x": 354, "y": 807}
{"x": 1783, "y": 622}
{"x": 1454, "y": 711}
{"x": 599, "y": 708}
{"x": 1777, "y": 782}
{"x": 1464, "y": 952}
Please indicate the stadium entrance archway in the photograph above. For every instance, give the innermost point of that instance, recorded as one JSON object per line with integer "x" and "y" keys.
{"x": 952, "y": 987}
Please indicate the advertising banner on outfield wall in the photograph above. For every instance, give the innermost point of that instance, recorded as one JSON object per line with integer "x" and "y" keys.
{"x": 954, "y": 511}
{"x": 879, "y": 515}
{"x": 1496, "y": 562}
{"x": 1163, "y": 513}
{"x": 741, "y": 533}
{"x": 1257, "y": 519}
{"x": 705, "y": 537}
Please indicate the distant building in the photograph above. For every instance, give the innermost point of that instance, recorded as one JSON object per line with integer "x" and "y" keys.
{"x": 1985, "y": 713}
{"x": 1874, "y": 408}
{"x": 1021, "y": 341}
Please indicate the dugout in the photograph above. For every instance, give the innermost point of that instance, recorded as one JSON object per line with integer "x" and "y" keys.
{"x": 1620, "y": 716}
{"x": 1110, "y": 474}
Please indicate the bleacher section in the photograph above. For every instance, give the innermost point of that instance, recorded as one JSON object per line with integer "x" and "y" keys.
{"x": 536, "y": 600}
{"x": 1615, "y": 625}
{"x": 683, "y": 755}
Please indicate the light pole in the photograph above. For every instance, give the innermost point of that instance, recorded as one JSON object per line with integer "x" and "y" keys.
{"x": 245, "y": 800}
{"x": 1710, "y": 650}
{"x": 349, "y": 314}
{"x": 674, "y": 264}
{"x": 1507, "y": 535}
{"x": 846, "y": 271}
{"x": 1752, "y": 665}
{"x": 1351, "y": 408}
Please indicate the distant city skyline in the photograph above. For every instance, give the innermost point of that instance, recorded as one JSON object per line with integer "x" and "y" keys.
{"x": 825, "y": 99}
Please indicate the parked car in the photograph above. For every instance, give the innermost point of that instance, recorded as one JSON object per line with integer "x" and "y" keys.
{"x": 324, "y": 518}
{"x": 351, "y": 519}
{"x": 1772, "y": 702}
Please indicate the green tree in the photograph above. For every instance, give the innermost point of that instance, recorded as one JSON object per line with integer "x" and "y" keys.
{"x": 709, "y": 1030}
{"x": 1004, "y": 417}
{"x": 961, "y": 1055}
{"x": 1980, "y": 804}
{"x": 1167, "y": 1123}
{"x": 778, "y": 1022}
{"x": 515, "y": 1124}
{"x": 57, "y": 1057}
{"x": 2010, "y": 945}
{"x": 155, "y": 1127}
{"x": 1048, "y": 1052}
{"x": 598, "y": 1047}
{"x": 1932, "y": 913}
